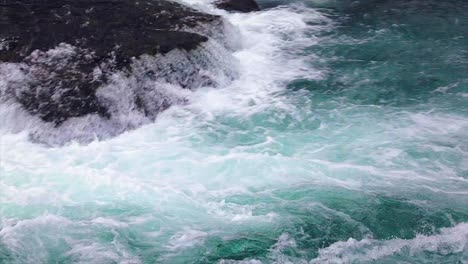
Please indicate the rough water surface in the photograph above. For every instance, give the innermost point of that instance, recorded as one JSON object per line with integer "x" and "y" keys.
{"x": 343, "y": 140}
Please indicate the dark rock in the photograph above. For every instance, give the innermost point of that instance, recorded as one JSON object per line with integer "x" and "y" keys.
{"x": 68, "y": 48}
{"x": 238, "y": 5}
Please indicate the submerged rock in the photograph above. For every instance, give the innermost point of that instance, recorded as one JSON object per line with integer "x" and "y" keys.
{"x": 238, "y": 5}
{"x": 66, "y": 50}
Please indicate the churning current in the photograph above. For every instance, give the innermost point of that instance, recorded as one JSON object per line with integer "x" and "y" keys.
{"x": 342, "y": 138}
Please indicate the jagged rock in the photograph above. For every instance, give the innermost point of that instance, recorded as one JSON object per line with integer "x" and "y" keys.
{"x": 238, "y": 5}
{"x": 67, "y": 49}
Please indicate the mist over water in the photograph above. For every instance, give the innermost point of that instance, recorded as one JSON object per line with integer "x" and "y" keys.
{"x": 342, "y": 139}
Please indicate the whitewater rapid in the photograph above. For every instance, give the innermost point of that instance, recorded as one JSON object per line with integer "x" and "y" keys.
{"x": 244, "y": 173}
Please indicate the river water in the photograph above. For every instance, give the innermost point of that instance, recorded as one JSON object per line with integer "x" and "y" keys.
{"x": 343, "y": 140}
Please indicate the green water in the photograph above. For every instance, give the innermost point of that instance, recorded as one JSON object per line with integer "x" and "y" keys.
{"x": 360, "y": 156}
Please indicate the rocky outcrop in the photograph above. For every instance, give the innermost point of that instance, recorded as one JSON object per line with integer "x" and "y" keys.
{"x": 67, "y": 49}
{"x": 238, "y": 5}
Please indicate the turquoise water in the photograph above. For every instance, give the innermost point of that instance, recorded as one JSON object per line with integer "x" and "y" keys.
{"x": 344, "y": 140}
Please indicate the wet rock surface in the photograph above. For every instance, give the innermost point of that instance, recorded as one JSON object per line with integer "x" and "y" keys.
{"x": 67, "y": 49}
{"x": 243, "y": 6}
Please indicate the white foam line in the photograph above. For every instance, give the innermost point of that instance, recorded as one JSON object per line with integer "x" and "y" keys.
{"x": 449, "y": 241}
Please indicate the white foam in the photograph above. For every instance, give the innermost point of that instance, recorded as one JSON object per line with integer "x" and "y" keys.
{"x": 18, "y": 235}
{"x": 267, "y": 60}
{"x": 449, "y": 241}
{"x": 185, "y": 239}
{"x": 237, "y": 213}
